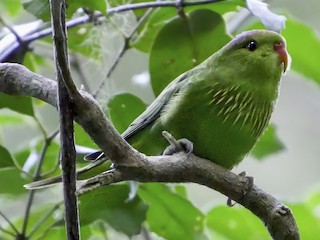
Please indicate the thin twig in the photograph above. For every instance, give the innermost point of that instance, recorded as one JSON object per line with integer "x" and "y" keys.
{"x": 40, "y": 126}
{"x": 7, "y": 232}
{"x": 35, "y": 178}
{"x": 27, "y": 212}
{"x": 42, "y": 220}
{"x": 78, "y": 69}
{"x": 9, "y": 222}
{"x": 121, "y": 53}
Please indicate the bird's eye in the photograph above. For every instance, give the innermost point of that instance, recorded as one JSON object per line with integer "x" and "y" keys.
{"x": 251, "y": 46}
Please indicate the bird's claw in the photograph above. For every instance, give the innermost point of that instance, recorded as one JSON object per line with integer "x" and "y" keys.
{"x": 181, "y": 145}
{"x": 250, "y": 181}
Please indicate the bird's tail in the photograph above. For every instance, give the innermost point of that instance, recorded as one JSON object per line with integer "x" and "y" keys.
{"x": 57, "y": 179}
{"x": 95, "y": 156}
{"x": 43, "y": 183}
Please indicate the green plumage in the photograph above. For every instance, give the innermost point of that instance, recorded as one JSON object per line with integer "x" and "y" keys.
{"x": 222, "y": 106}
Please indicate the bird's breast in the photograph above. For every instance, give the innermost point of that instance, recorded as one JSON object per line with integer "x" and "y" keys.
{"x": 223, "y": 122}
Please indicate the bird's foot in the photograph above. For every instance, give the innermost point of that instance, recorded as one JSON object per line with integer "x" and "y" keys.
{"x": 250, "y": 180}
{"x": 181, "y": 145}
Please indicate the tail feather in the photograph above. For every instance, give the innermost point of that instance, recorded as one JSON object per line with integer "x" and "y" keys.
{"x": 43, "y": 183}
{"x": 94, "y": 156}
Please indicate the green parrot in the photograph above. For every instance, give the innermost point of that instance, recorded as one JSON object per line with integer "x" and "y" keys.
{"x": 222, "y": 106}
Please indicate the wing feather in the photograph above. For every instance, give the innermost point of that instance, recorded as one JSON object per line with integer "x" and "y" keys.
{"x": 151, "y": 113}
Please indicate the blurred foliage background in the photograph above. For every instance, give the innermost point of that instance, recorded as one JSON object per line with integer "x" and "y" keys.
{"x": 125, "y": 59}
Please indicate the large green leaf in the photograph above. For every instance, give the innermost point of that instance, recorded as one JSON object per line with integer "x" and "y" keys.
{"x": 13, "y": 7}
{"x": 5, "y": 158}
{"x": 184, "y": 43}
{"x": 12, "y": 181}
{"x": 123, "y": 109}
{"x": 268, "y": 144}
{"x": 236, "y": 224}
{"x": 304, "y": 48}
{"x": 20, "y": 104}
{"x": 307, "y": 220}
{"x": 161, "y": 16}
{"x": 170, "y": 215}
{"x": 109, "y": 204}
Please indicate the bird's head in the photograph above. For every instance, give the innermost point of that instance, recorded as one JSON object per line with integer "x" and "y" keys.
{"x": 260, "y": 47}
{"x": 257, "y": 58}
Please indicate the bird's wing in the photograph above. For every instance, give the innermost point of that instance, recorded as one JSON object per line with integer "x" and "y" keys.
{"x": 152, "y": 112}
{"x": 154, "y": 109}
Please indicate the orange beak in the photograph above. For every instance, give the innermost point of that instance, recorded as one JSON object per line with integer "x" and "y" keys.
{"x": 280, "y": 48}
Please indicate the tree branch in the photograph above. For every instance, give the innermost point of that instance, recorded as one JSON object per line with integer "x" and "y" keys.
{"x": 65, "y": 91}
{"x": 37, "y": 34}
{"x": 132, "y": 165}
{"x": 176, "y": 4}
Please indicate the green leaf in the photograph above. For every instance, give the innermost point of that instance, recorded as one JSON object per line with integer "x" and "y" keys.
{"x": 39, "y": 8}
{"x": 37, "y": 213}
{"x": 20, "y": 104}
{"x": 304, "y": 48}
{"x": 5, "y": 158}
{"x": 51, "y": 158}
{"x": 84, "y": 39}
{"x": 16, "y": 180}
{"x": 182, "y": 44}
{"x": 22, "y": 156}
{"x": 236, "y": 223}
{"x": 308, "y": 223}
{"x": 170, "y": 215}
{"x": 181, "y": 190}
{"x": 7, "y": 118}
{"x": 13, "y": 7}
{"x": 123, "y": 109}
{"x": 91, "y": 5}
{"x": 33, "y": 61}
{"x": 81, "y": 40}
{"x": 161, "y": 16}
{"x": 59, "y": 232}
{"x": 268, "y": 144}
{"x": 82, "y": 138}
{"x": 109, "y": 204}
{"x": 49, "y": 163}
